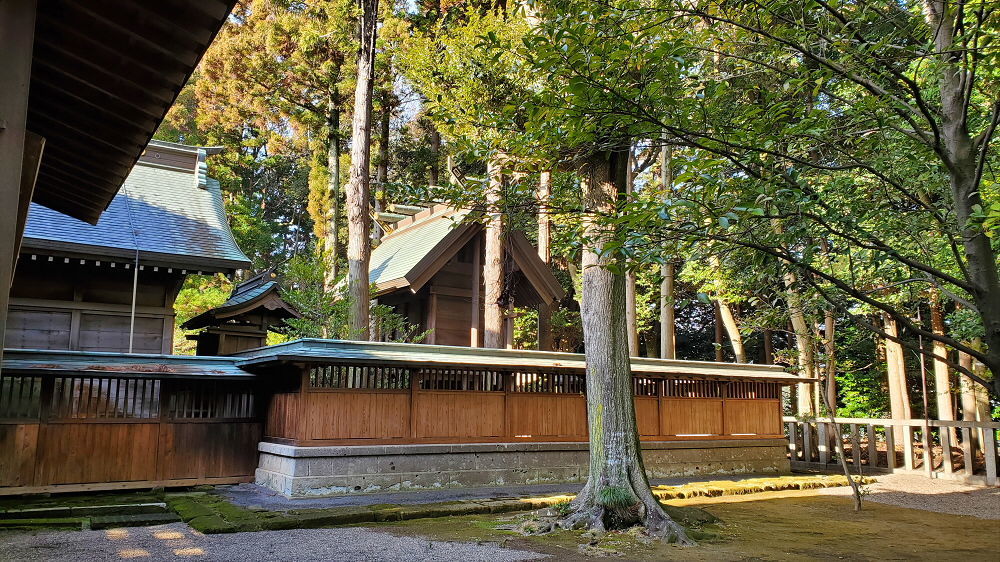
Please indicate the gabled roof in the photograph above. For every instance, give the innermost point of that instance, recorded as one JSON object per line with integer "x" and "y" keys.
{"x": 259, "y": 292}
{"x": 177, "y": 217}
{"x": 413, "y": 253}
{"x": 103, "y": 76}
{"x": 404, "y": 253}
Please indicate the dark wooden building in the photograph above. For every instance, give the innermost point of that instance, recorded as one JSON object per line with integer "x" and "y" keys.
{"x": 429, "y": 269}
{"x": 76, "y": 285}
{"x": 242, "y": 322}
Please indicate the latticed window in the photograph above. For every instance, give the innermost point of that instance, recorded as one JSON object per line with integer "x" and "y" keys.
{"x": 359, "y": 377}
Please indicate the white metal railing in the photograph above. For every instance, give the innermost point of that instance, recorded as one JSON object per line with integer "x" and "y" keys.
{"x": 939, "y": 449}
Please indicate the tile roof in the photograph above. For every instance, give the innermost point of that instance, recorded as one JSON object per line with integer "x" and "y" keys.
{"x": 177, "y": 223}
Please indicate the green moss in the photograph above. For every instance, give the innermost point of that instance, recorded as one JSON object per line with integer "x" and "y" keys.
{"x": 44, "y": 523}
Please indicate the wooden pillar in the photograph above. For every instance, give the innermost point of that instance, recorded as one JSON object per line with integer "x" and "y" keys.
{"x": 17, "y": 29}
{"x": 477, "y": 283}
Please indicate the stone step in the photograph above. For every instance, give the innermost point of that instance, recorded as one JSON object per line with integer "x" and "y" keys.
{"x": 44, "y": 523}
{"x": 132, "y": 520}
{"x": 83, "y": 511}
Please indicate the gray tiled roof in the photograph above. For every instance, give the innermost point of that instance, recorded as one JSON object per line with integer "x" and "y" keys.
{"x": 401, "y": 251}
{"x": 176, "y": 223}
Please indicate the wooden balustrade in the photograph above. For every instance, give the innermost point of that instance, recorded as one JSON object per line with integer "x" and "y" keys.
{"x": 872, "y": 445}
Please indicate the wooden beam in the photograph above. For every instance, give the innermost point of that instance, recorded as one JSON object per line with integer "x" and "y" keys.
{"x": 33, "y": 146}
{"x": 17, "y": 25}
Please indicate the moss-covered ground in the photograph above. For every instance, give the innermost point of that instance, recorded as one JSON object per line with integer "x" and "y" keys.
{"x": 768, "y": 526}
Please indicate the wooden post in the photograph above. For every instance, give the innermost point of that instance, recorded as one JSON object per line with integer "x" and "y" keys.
{"x": 807, "y": 442}
{"x": 990, "y": 450}
{"x": 925, "y": 441}
{"x": 17, "y": 27}
{"x": 872, "y": 447}
{"x": 477, "y": 282}
{"x": 793, "y": 439}
{"x": 890, "y": 448}
{"x": 414, "y": 388}
{"x": 824, "y": 442}
{"x": 855, "y": 447}
{"x": 968, "y": 451}
{"x": 946, "y": 449}
{"x": 907, "y": 433}
{"x": 431, "y": 316}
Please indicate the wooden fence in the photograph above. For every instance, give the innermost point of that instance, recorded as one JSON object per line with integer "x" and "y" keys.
{"x": 344, "y": 404}
{"x": 939, "y": 449}
{"x": 66, "y": 433}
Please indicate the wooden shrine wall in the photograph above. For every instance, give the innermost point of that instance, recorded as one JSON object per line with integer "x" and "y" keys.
{"x": 356, "y": 405}
{"x": 66, "y": 433}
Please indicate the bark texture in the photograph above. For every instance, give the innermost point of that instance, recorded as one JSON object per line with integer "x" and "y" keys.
{"x": 668, "y": 328}
{"x": 962, "y": 158}
{"x": 382, "y": 166}
{"x": 331, "y": 244}
{"x": 493, "y": 273}
{"x": 545, "y": 342}
{"x": 942, "y": 374}
{"x": 732, "y": 330}
{"x": 895, "y": 360}
{"x": 359, "y": 188}
{"x": 617, "y": 493}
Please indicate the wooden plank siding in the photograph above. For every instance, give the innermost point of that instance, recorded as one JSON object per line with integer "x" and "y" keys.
{"x": 74, "y": 432}
{"x": 343, "y": 404}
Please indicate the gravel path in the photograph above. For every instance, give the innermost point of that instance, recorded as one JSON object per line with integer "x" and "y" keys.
{"x": 178, "y": 541}
{"x": 920, "y": 492}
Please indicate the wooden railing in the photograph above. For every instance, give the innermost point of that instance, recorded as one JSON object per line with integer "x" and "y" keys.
{"x": 938, "y": 449}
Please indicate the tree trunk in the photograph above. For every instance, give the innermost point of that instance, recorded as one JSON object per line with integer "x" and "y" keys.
{"x": 493, "y": 273}
{"x": 382, "y": 168}
{"x": 617, "y": 493}
{"x": 358, "y": 188}
{"x": 331, "y": 244}
{"x": 804, "y": 346}
{"x": 961, "y": 158}
{"x": 732, "y": 330}
{"x": 768, "y": 347}
{"x": 433, "y": 172}
{"x": 830, "y": 347}
{"x": 942, "y": 374}
{"x": 631, "y": 320}
{"x": 668, "y": 323}
{"x": 545, "y": 253}
{"x": 718, "y": 331}
{"x": 895, "y": 360}
{"x": 668, "y": 327}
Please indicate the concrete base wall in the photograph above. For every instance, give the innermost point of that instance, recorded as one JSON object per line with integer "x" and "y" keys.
{"x": 327, "y": 471}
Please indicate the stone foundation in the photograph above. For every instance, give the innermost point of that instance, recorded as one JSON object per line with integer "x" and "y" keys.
{"x": 328, "y": 471}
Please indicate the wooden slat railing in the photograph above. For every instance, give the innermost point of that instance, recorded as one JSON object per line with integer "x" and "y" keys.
{"x": 936, "y": 448}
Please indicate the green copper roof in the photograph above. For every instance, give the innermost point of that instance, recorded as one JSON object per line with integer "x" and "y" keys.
{"x": 176, "y": 223}
{"x": 402, "y": 250}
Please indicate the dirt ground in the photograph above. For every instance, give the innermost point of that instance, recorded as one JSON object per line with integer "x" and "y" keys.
{"x": 770, "y": 526}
